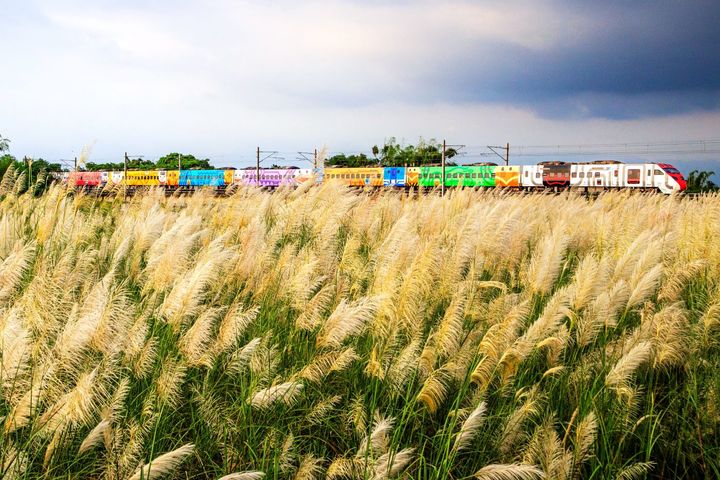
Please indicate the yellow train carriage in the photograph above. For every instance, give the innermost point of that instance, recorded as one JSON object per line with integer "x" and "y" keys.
{"x": 172, "y": 177}
{"x": 143, "y": 178}
{"x": 229, "y": 177}
{"x": 356, "y": 177}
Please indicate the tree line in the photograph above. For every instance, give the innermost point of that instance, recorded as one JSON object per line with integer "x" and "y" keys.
{"x": 393, "y": 154}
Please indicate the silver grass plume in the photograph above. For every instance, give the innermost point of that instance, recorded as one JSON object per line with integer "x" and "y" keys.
{"x": 95, "y": 436}
{"x": 164, "y": 464}
{"x": 377, "y": 442}
{"x": 193, "y": 344}
{"x": 310, "y": 468}
{"x": 546, "y": 261}
{"x": 249, "y": 475}
{"x": 13, "y": 267}
{"x": 618, "y": 377}
{"x": 347, "y": 320}
{"x": 322, "y": 409}
{"x": 241, "y": 357}
{"x": 513, "y": 471}
{"x": 232, "y": 327}
{"x": 391, "y": 464}
{"x": 585, "y": 435}
{"x": 469, "y": 428}
{"x": 635, "y": 471}
{"x": 288, "y": 392}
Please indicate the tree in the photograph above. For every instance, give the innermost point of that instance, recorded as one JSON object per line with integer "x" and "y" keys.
{"x": 4, "y": 144}
{"x": 187, "y": 162}
{"x": 699, "y": 181}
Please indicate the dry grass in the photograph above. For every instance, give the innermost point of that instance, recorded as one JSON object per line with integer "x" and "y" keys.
{"x": 323, "y": 333}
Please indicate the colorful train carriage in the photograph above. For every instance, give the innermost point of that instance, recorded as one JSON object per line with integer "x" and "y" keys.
{"x": 143, "y": 178}
{"x": 277, "y": 177}
{"x": 556, "y": 175}
{"x": 466, "y": 176}
{"x": 302, "y": 175}
{"x": 356, "y": 177}
{"x": 412, "y": 176}
{"x": 507, "y": 176}
{"x": 394, "y": 176}
{"x": 202, "y": 178}
{"x": 85, "y": 179}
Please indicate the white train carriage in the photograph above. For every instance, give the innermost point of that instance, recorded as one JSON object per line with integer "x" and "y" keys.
{"x": 531, "y": 176}
{"x": 116, "y": 177}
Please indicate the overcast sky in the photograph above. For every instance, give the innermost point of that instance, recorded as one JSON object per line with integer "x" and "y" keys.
{"x": 217, "y": 77}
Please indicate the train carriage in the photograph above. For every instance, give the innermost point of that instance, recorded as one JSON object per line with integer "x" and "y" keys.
{"x": 412, "y": 176}
{"x": 465, "y": 176}
{"x": 593, "y": 175}
{"x": 228, "y": 176}
{"x": 301, "y": 175}
{"x": 85, "y": 179}
{"x": 531, "y": 177}
{"x": 143, "y": 178}
{"x": 172, "y": 178}
{"x": 116, "y": 177}
{"x": 202, "y": 178}
{"x": 278, "y": 177}
{"x": 356, "y": 177}
{"x": 507, "y": 176}
{"x": 394, "y": 176}
{"x": 556, "y": 175}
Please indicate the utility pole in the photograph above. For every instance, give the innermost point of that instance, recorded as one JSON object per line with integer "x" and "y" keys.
{"x": 257, "y": 168}
{"x": 505, "y": 158}
{"x": 125, "y": 175}
{"x": 315, "y": 160}
{"x": 75, "y": 164}
{"x": 442, "y": 180}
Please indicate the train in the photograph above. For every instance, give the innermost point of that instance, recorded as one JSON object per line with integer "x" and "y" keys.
{"x": 555, "y": 176}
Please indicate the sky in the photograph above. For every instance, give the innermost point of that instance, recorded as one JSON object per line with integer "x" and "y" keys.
{"x": 217, "y": 78}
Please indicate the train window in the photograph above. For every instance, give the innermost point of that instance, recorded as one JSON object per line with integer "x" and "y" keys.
{"x": 574, "y": 174}
{"x": 633, "y": 176}
{"x": 616, "y": 173}
{"x": 597, "y": 174}
{"x": 649, "y": 172}
{"x": 658, "y": 172}
{"x": 537, "y": 174}
{"x": 526, "y": 173}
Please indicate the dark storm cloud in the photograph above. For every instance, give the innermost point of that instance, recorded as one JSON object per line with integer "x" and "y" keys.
{"x": 635, "y": 59}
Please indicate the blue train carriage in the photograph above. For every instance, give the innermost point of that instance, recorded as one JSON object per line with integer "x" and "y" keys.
{"x": 202, "y": 178}
{"x": 394, "y": 177}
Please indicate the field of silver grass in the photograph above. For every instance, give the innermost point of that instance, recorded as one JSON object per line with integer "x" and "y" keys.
{"x": 321, "y": 333}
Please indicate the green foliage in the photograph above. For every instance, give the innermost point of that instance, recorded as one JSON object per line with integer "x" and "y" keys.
{"x": 167, "y": 162}
{"x": 699, "y": 181}
{"x": 40, "y": 170}
{"x": 188, "y": 162}
{"x": 4, "y": 144}
{"x": 392, "y": 154}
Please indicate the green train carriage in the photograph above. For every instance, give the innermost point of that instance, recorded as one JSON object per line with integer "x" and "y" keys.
{"x": 466, "y": 176}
